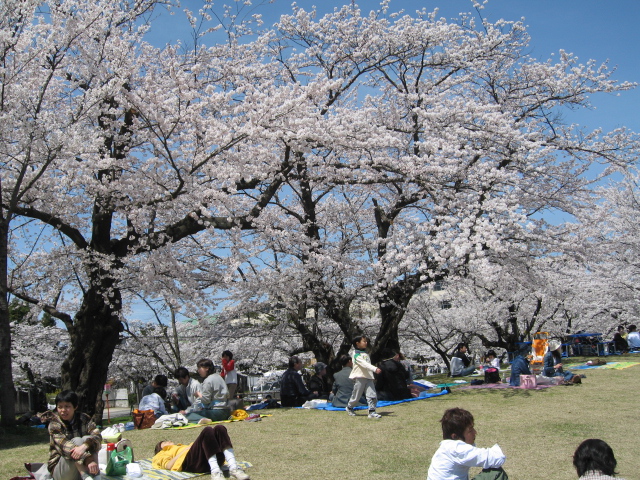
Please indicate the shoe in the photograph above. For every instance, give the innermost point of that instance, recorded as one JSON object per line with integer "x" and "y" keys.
{"x": 218, "y": 476}
{"x": 239, "y": 474}
{"x": 350, "y": 410}
{"x": 373, "y": 414}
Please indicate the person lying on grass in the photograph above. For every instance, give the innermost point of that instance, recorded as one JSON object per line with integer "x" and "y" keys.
{"x": 74, "y": 441}
{"x": 206, "y": 454}
{"x": 457, "y": 452}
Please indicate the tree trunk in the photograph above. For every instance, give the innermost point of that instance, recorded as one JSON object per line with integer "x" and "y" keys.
{"x": 94, "y": 336}
{"x": 392, "y": 307}
{"x": 7, "y": 390}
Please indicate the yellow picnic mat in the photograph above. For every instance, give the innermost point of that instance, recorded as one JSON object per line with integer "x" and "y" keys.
{"x": 196, "y": 425}
{"x": 608, "y": 365}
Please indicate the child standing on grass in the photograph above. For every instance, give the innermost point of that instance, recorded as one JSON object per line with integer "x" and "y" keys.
{"x": 362, "y": 376}
{"x": 457, "y": 452}
{"x": 229, "y": 373}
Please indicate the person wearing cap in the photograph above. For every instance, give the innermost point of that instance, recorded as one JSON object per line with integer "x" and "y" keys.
{"x": 318, "y": 384}
{"x": 553, "y": 362}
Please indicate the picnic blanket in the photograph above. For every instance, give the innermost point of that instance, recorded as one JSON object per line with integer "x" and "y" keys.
{"x": 208, "y": 424}
{"x": 148, "y": 472}
{"x": 608, "y": 365}
{"x": 381, "y": 403}
{"x": 502, "y": 385}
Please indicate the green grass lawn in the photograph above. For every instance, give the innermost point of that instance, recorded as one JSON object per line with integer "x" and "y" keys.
{"x": 537, "y": 429}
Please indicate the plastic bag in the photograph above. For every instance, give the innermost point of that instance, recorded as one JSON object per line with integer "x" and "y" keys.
{"x": 111, "y": 434}
{"x": 118, "y": 461}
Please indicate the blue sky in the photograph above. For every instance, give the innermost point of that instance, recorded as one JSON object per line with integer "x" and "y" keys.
{"x": 591, "y": 29}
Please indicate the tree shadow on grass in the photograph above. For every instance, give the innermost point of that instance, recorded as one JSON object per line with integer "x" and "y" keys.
{"x": 503, "y": 392}
{"x": 15, "y": 437}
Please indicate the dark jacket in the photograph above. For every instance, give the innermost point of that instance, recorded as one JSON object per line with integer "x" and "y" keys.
{"x": 519, "y": 366}
{"x": 292, "y": 390}
{"x": 320, "y": 385}
{"x": 463, "y": 356}
{"x": 391, "y": 382}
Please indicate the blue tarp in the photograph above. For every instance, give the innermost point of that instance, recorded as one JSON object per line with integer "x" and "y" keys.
{"x": 383, "y": 403}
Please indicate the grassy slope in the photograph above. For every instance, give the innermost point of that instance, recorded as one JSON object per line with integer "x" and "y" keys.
{"x": 538, "y": 430}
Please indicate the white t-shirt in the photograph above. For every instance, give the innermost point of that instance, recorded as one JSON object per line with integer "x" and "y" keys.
{"x": 454, "y": 458}
{"x": 634, "y": 339}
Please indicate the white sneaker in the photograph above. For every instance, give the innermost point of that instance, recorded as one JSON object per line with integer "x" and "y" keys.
{"x": 218, "y": 476}
{"x": 238, "y": 474}
{"x": 350, "y": 411}
{"x": 374, "y": 415}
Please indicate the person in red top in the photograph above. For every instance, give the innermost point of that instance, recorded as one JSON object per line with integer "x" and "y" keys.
{"x": 229, "y": 373}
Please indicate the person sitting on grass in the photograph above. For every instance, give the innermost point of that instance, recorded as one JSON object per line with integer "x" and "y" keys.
{"x": 318, "y": 383}
{"x": 519, "y": 366}
{"x": 185, "y": 394}
{"x": 293, "y": 393}
{"x": 205, "y": 455}
{"x": 553, "y": 364}
{"x": 467, "y": 368}
{"x": 457, "y": 452}
{"x": 491, "y": 359}
{"x": 594, "y": 460}
{"x": 155, "y": 402}
{"x": 74, "y": 441}
{"x": 619, "y": 341}
{"x": 158, "y": 381}
{"x": 392, "y": 381}
{"x": 633, "y": 339}
{"x": 343, "y": 385}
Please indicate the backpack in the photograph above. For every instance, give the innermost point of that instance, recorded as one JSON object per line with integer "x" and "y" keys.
{"x": 491, "y": 375}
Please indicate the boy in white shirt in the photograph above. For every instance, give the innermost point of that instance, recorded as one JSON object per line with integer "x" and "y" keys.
{"x": 457, "y": 452}
{"x": 362, "y": 376}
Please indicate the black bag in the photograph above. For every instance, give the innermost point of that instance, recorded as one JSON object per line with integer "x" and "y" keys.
{"x": 491, "y": 375}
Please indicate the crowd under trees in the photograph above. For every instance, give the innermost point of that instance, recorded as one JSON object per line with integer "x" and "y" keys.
{"x": 316, "y": 178}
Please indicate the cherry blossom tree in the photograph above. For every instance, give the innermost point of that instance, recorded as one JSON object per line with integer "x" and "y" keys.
{"x": 606, "y": 241}
{"x": 47, "y": 52}
{"x": 156, "y": 160}
{"x": 447, "y": 140}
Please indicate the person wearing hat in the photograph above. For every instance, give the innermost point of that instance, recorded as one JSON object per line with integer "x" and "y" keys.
{"x": 553, "y": 362}
{"x": 318, "y": 383}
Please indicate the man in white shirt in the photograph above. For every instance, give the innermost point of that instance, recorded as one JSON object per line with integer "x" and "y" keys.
{"x": 457, "y": 452}
{"x": 185, "y": 393}
{"x": 633, "y": 339}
